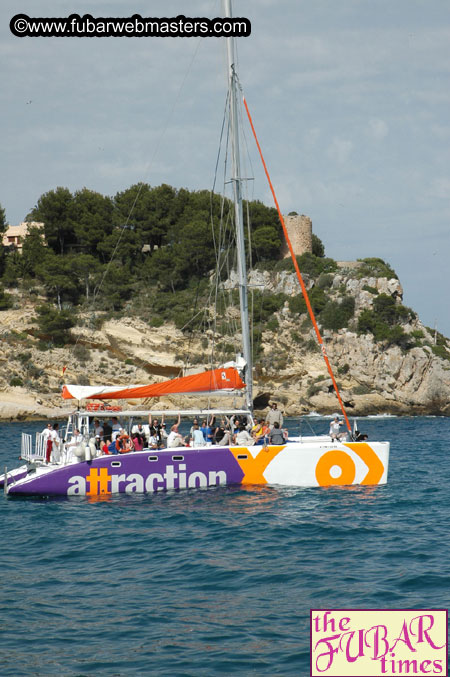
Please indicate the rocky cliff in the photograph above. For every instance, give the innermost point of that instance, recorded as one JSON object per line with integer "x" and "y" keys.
{"x": 374, "y": 376}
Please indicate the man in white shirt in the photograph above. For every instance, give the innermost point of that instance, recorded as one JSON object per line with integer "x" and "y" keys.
{"x": 98, "y": 429}
{"x": 56, "y": 444}
{"x": 153, "y": 442}
{"x": 115, "y": 425}
{"x": 174, "y": 439}
{"x": 274, "y": 415}
{"x": 335, "y": 433}
{"x": 47, "y": 435}
{"x": 74, "y": 442}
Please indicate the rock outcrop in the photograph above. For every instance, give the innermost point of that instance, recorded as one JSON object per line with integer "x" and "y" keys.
{"x": 373, "y": 377}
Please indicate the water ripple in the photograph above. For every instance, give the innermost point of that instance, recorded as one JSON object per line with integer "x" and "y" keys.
{"x": 221, "y": 581}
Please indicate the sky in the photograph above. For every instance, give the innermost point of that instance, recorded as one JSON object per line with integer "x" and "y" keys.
{"x": 350, "y": 100}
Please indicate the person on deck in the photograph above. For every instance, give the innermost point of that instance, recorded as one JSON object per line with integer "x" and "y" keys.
{"x": 56, "y": 444}
{"x": 74, "y": 442}
{"x": 115, "y": 426}
{"x": 47, "y": 435}
{"x": 175, "y": 439}
{"x": 204, "y": 427}
{"x": 157, "y": 429}
{"x": 191, "y": 432}
{"x": 98, "y": 429}
{"x": 139, "y": 428}
{"x": 208, "y": 432}
{"x": 107, "y": 430}
{"x": 123, "y": 442}
{"x": 276, "y": 435}
{"x": 243, "y": 437}
{"x": 274, "y": 415}
{"x": 163, "y": 436}
{"x": 153, "y": 442}
{"x": 260, "y": 430}
{"x": 335, "y": 433}
{"x": 220, "y": 431}
{"x": 197, "y": 436}
{"x": 138, "y": 441}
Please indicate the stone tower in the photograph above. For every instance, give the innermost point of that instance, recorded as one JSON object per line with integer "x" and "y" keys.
{"x": 299, "y": 228}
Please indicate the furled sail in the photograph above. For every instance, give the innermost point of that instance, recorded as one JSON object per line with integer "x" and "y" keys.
{"x": 207, "y": 382}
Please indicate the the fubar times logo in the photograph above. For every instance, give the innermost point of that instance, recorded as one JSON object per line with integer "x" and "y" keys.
{"x": 378, "y": 642}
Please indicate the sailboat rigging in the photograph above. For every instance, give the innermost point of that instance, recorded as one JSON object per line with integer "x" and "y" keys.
{"x": 237, "y": 191}
{"x": 301, "y": 461}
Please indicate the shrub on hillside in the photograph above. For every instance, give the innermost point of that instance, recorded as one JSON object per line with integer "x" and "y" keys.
{"x": 317, "y": 298}
{"x": 55, "y": 324}
{"x": 325, "y": 280}
{"x": 375, "y": 267}
{"x": 383, "y": 321}
{"x": 309, "y": 264}
{"x": 6, "y": 300}
{"x": 337, "y": 315}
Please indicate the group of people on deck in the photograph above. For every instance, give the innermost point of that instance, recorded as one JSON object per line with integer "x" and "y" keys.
{"x": 114, "y": 439}
{"x": 53, "y": 443}
{"x": 109, "y": 436}
{"x": 230, "y": 431}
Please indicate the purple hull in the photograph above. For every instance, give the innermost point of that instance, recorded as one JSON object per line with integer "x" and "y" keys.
{"x": 14, "y": 476}
{"x": 138, "y": 472}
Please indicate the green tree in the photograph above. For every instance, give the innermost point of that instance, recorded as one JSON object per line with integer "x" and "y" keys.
{"x": 87, "y": 270}
{"x": 266, "y": 230}
{"x": 116, "y": 287}
{"x": 34, "y": 252}
{"x": 55, "y": 210}
{"x": 13, "y": 269}
{"x": 190, "y": 249}
{"x": 3, "y": 221}
{"x": 317, "y": 246}
{"x": 149, "y": 212}
{"x": 92, "y": 215}
{"x": 3, "y": 228}
{"x": 57, "y": 276}
{"x": 120, "y": 247}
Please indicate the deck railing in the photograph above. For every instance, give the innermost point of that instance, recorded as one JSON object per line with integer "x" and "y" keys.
{"x": 40, "y": 447}
{"x": 26, "y": 449}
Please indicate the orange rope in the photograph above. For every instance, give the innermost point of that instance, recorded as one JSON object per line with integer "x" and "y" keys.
{"x": 299, "y": 275}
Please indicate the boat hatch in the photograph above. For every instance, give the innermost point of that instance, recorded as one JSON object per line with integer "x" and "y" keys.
{"x": 242, "y": 456}
{"x": 116, "y": 464}
{"x": 177, "y": 458}
{"x": 152, "y": 458}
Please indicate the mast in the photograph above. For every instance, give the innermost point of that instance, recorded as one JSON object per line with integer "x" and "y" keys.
{"x": 239, "y": 220}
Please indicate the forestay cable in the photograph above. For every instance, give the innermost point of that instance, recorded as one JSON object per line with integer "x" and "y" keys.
{"x": 299, "y": 275}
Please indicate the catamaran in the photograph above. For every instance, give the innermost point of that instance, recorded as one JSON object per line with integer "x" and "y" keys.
{"x": 300, "y": 461}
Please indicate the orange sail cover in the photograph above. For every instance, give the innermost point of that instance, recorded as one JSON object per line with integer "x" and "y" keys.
{"x": 216, "y": 380}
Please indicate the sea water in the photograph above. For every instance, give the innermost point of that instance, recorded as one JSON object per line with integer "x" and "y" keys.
{"x": 219, "y": 581}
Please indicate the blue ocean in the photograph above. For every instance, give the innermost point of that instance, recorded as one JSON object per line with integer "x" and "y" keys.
{"x": 219, "y": 581}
